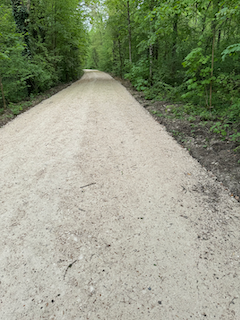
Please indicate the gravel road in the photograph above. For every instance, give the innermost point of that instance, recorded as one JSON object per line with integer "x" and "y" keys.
{"x": 105, "y": 216}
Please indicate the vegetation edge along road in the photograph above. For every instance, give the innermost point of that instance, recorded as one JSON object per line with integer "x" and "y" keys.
{"x": 218, "y": 155}
{"x": 182, "y": 55}
{"x": 215, "y": 154}
{"x": 17, "y": 108}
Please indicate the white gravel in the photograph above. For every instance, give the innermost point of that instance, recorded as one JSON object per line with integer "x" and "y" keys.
{"x": 105, "y": 216}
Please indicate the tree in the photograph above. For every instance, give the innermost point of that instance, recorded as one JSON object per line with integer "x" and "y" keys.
{"x": 42, "y": 44}
{"x": 12, "y": 76}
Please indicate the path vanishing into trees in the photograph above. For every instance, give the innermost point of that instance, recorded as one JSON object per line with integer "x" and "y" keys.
{"x": 105, "y": 216}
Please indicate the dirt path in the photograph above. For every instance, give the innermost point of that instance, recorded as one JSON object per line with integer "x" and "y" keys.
{"x": 105, "y": 216}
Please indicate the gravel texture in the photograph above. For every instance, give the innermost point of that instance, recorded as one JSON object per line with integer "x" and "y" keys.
{"x": 105, "y": 216}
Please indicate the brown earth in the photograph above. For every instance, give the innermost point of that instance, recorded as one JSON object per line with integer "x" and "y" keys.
{"x": 208, "y": 148}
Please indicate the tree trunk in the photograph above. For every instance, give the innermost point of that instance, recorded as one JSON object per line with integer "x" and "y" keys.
{"x": 114, "y": 53}
{"x": 28, "y": 5}
{"x": 211, "y": 83}
{"x": 151, "y": 62}
{"x": 219, "y": 38}
{"x": 155, "y": 50}
{"x": 3, "y": 97}
{"x": 214, "y": 28}
{"x": 129, "y": 32}
{"x": 121, "y": 59}
{"x": 174, "y": 44}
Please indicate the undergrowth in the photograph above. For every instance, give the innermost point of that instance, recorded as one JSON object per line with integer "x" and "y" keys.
{"x": 223, "y": 118}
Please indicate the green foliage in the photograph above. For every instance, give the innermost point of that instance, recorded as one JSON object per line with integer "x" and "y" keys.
{"x": 171, "y": 50}
{"x": 13, "y": 70}
{"x": 235, "y": 137}
{"x": 194, "y": 61}
{"x": 181, "y": 51}
{"x": 231, "y": 50}
{"x": 16, "y": 109}
{"x": 238, "y": 151}
{"x": 233, "y": 112}
{"x": 220, "y": 128}
{"x": 42, "y": 43}
{"x": 138, "y": 74}
{"x": 199, "y": 71}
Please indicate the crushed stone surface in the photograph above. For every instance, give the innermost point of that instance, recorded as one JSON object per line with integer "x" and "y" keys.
{"x": 105, "y": 216}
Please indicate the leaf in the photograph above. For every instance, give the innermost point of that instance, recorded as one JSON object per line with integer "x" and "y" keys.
{"x": 230, "y": 50}
{"x": 223, "y": 133}
{"x": 3, "y": 56}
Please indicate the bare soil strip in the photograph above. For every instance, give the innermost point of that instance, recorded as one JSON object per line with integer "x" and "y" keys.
{"x": 105, "y": 216}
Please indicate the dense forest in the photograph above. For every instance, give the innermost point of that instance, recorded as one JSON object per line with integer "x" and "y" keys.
{"x": 42, "y": 43}
{"x": 185, "y": 51}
